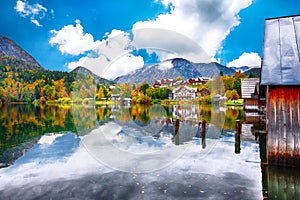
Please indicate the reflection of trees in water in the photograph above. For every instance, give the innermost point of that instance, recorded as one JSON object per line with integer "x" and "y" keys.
{"x": 194, "y": 113}
{"x": 141, "y": 113}
{"x": 22, "y": 123}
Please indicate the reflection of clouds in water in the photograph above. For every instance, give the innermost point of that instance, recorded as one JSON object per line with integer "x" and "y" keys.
{"x": 134, "y": 153}
{"x": 65, "y": 158}
{"x": 61, "y": 147}
{"x": 49, "y": 139}
{"x": 130, "y": 138}
{"x": 218, "y": 162}
{"x": 221, "y": 159}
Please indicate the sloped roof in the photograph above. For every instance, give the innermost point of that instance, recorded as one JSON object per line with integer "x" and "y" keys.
{"x": 281, "y": 53}
{"x": 184, "y": 88}
{"x": 248, "y": 87}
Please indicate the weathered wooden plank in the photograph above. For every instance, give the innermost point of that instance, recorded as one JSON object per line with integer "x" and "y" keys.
{"x": 283, "y": 125}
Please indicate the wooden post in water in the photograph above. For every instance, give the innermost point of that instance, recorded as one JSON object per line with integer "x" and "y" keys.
{"x": 176, "y": 134}
{"x": 203, "y": 134}
{"x": 264, "y": 163}
{"x": 237, "y": 136}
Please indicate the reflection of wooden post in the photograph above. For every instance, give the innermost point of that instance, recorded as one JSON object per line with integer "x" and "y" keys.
{"x": 198, "y": 130}
{"x": 282, "y": 183}
{"x": 176, "y": 135}
{"x": 265, "y": 180}
{"x": 203, "y": 134}
{"x": 263, "y": 147}
{"x": 237, "y": 136}
{"x": 264, "y": 161}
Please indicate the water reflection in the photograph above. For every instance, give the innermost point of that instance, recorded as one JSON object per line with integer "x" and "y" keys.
{"x": 222, "y": 143}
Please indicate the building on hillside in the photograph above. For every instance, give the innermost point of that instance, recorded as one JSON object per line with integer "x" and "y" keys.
{"x": 172, "y": 82}
{"x": 179, "y": 82}
{"x": 157, "y": 84}
{"x": 164, "y": 83}
{"x": 280, "y": 75}
{"x": 249, "y": 94}
{"x": 198, "y": 81}
{"x": 184, "y": 92}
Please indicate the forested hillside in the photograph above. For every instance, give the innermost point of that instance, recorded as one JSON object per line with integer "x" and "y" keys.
{"x": 17, "y": 85}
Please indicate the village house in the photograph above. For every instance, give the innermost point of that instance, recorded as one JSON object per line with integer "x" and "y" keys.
{"x": 184, "y": 93}
{"x": 163, "y": 83}
{"x": 248, "y": 88}
{"x": 172, "y": 82}
{"x": 280, "y": 75}
{"x": 198, "y": 81}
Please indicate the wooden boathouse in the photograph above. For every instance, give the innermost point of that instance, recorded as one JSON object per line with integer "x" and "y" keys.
{"x": 248, "y": 87}
{"x": 280, "y": 74}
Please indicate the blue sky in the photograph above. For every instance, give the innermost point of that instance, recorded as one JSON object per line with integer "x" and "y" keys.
{"x": 62, "y": 34}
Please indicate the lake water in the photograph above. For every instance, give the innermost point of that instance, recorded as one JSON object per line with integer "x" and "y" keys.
{"x": 139, "y": 152}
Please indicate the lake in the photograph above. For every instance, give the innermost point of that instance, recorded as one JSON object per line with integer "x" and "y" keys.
{"x": 137, "y": 152}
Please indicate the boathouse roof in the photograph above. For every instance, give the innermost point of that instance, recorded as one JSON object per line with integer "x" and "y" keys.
{"x": 248, "y": 86}
{"x": 281, "y": 51}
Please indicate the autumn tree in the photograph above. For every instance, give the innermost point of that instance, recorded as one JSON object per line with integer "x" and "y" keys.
{"x": 232, "y": 95}
{"x": 125, "y": 90}
{"x": 237, "y": 81}
{"x": 143, "y": 87}
{"x": 100, "y": 94}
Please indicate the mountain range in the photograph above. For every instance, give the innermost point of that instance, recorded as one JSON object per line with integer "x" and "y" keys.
{"x": 241, "y": 69}
{"x": 87, "y": 72}
{"x": 14, "y": 56}
{"x": 255, "y": 71}
{"x": 173, "y": 68}
{"x": 17, "y": 58}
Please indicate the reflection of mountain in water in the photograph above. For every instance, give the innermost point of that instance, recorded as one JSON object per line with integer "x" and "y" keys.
{"x": 60, "y": 147}
{"x": 44, "y": 148}
{"x": 22, "y": 125}
{"x": 9, "y": 156}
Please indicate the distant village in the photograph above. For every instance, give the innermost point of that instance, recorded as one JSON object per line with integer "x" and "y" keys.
{"x": 195, "y": 89}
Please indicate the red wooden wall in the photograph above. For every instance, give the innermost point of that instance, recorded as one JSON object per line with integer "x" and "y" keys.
{"x": 283, "y": 125}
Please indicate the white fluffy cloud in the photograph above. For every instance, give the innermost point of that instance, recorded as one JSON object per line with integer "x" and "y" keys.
{"x": 34, "y": 12}
{"x": 206, "y": 22}
{"x": 113, "y": 56}
{"x": 193, "y": 29}
{"x": 123, "y": 65}
{"x": 74, "y": 64}
{"x": 72, "y": 40}
{"x": 246, "y": 59}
